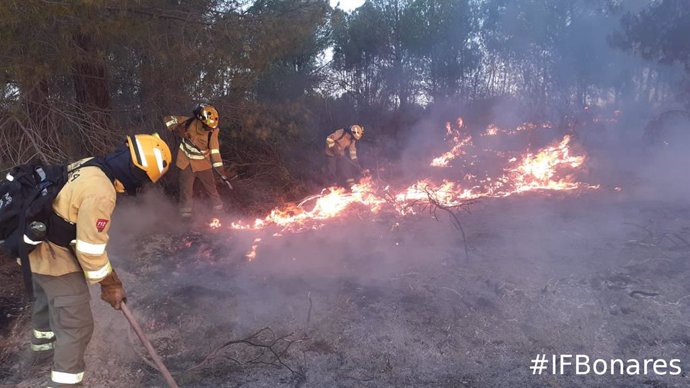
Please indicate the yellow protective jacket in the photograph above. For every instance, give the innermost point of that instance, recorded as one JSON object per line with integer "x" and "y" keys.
{"x": 197, "y": 148}
{"x": 340, "y": 141}
{"x": 87, "y": 200}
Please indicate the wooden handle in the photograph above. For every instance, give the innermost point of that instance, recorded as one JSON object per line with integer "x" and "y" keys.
{"x": 147, "y": 344}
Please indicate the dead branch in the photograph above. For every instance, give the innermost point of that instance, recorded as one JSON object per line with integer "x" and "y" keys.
{"x": 310, "y": 307}
{"x": 269, "y": 346}
{"x": 435, "y": 205}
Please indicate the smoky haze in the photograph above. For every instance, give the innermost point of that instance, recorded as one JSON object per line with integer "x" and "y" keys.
{"x": 385, "y": 291}
{"x": 366, "y": 296}
{"x": 396, "y": 298}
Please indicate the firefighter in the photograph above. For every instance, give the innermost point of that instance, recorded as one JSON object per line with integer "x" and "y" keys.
{"x": 198, "y": 156}
{"x": 336, "y": 144}
{"x": 74, "y": 252}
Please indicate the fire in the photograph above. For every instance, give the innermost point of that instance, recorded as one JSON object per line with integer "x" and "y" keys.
{"x": 458, "y": 141}
{"x": 531, "y": 172}
{"x": 539, "y": 172}
{"x": 215, "y": 224}
{"x": 543, "y": 170}
{"x": 551, "y": 168}
{"x": 493, "y": 130}
{"x": 251, "y": 255}
{"x": 329, "y": 204}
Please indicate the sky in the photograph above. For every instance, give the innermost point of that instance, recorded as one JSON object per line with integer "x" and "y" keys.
{"x": 347, "y": 5}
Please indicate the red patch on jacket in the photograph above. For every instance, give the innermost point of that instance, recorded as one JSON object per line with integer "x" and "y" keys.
{"x": 100, "y": 224}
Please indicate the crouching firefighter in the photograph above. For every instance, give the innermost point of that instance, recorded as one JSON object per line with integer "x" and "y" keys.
{"x": 198, "y": 155}
{"x": 341, "y": 166}
{"x": 74, "y": 252}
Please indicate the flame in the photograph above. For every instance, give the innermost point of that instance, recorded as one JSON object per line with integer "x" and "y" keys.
{"x": 329, "y": 204}
{"x": 493, "y": 130}
{"x": 531, "y": 172}
{"x": 458, "y": 142}
{"x": 457, "y": 150}
{"x": 215, "y": 224}
{"x": 546, "y": 169}
{"x": 539, "y": 172}
{"x": 251, "y": 255}
{"x": 551, "y": 168}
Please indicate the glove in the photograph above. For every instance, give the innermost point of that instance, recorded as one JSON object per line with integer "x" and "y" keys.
{"x": 112, "y": 291}
{"x": 221, "y": 171}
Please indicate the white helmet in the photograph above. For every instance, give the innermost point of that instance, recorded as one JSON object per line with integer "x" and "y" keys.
{"x": 357, "y": 131}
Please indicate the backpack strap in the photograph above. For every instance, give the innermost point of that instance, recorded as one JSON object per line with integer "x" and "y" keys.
{"x": 60, "y": 231}
{"x": 26, "y": 265}
{"x": 23, "y": 250}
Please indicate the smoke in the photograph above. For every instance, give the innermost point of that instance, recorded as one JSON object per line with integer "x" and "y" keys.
{"x": 374, "y": 287}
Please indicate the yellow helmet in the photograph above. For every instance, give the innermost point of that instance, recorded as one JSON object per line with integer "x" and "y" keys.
{"x": 151, "y": 154}
{"x": 207, "y": 114}
{"x": 357, "y": 131}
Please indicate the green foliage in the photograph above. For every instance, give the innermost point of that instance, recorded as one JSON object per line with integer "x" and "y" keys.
{"x": 659, "y": 32}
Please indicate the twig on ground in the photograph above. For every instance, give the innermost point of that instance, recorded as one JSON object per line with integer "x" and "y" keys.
{"x": 310, "y": 306}
{"x": 254, "y": 340}
{"x": 435, "y": 204}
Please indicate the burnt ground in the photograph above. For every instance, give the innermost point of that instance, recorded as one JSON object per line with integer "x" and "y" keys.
{"x": 361, "y": 304}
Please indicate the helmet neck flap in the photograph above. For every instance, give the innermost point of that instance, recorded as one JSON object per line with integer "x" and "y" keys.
{"x": 119, "y": 162}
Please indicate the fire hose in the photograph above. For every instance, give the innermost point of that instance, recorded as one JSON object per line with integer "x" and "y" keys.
{"x": 147, "y": 344}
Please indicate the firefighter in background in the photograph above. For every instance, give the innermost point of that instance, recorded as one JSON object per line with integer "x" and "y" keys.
{"x": 336, "y": 144}
{"x": 74, "y": 252}
{"x": 198, "y": 156}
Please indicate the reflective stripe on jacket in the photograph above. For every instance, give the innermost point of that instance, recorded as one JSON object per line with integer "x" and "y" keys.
{"x": 339, "y": 141}
{"x": 197, "y": 148}
{"x": 87, "y": 200}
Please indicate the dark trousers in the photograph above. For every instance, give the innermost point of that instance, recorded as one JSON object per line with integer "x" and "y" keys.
{"x": 341, "y": 169}
{"x": 62, "y": 306}
{"x": 186, "y": 180}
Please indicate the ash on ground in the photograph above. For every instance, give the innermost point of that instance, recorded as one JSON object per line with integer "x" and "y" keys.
{"x": 362, "y": 303}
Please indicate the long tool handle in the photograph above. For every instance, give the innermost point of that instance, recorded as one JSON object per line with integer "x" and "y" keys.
{"x": 156, "y": 358}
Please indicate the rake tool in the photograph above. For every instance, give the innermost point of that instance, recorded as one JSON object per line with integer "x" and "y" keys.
{"x": 147, "y": 344}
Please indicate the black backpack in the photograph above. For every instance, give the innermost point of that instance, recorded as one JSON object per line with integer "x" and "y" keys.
{"x": 26, "y": 197}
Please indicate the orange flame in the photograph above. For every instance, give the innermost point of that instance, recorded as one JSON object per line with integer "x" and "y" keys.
{"x": 329, "y": 204}
{"x": 458, "y": 142}
{"x": 215, "y": 224}
{"x": 550, "y": 168}
{"x": 493, "y": 130}
{"x": 251, "y": 255}
{"x": 544, "y": 170}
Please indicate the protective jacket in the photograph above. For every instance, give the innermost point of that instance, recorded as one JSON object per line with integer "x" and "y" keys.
{"x": 340, "y": 141}
{"x": 199, "y": 148}
{"x": 87, "y": 200}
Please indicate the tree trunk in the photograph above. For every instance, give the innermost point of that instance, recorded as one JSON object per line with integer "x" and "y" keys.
{"x": 91, "y": 82}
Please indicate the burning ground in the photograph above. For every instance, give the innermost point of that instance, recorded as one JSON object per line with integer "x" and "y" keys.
{"x": 380, "y": 293}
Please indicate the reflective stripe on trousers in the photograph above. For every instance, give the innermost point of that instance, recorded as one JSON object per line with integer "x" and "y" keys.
{"x": 66, "y": 378}
{"x": 43, "y": 347}
{"x": 44, "y": 334}
{"x": 42, "y": 341}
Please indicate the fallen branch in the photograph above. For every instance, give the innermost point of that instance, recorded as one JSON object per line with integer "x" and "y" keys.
{"x": 435, "y": 204}
{"x": 254, "y": 340}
